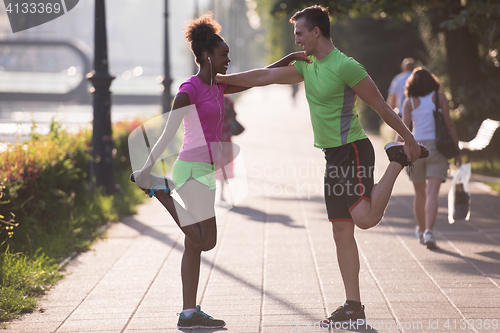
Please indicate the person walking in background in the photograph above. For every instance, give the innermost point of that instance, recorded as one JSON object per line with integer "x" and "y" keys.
{"x": 396, "y": 95}
{"x": 332, "y": 83}
{"x": 428, "y": 174}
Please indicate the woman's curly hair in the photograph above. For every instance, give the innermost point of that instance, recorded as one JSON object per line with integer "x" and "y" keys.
{"x": 203, "y": 35}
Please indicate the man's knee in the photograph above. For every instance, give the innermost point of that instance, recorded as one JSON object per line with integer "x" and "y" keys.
{"x": 367, "y": 221}
{"x": 364, "y": 217}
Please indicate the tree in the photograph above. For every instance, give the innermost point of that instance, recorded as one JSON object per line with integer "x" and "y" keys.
{"x": 462, "y": 21}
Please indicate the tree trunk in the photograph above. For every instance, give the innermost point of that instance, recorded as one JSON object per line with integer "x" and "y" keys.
{"x": 463, "y": 60}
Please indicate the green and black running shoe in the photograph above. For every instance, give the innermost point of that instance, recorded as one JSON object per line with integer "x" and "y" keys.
{"x": 396, "y": 153}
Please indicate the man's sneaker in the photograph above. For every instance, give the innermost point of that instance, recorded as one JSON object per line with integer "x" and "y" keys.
{"x": 156, "y": 183}
{"x": 199, "y": 319}
{"x": 420, "y": 235}
{"x": 395, "y": 151}
{"x": 429, "y": 239}
{"x": 345, "y": 314}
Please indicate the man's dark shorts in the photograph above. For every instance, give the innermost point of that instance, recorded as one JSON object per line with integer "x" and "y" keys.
{"x": 348, "y": 178}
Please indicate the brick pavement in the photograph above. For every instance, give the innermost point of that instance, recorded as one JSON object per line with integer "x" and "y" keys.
{"x": 274, "y": 268}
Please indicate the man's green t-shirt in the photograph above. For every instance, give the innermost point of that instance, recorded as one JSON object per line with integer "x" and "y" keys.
{"x": 332, "y": 102}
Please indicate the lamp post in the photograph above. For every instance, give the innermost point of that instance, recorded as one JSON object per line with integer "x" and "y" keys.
{"x": 167, "y": 81}
{"x": 102, "y": 140}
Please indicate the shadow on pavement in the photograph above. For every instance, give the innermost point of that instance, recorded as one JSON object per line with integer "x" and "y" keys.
{"x": 158, "y": 235}
{"x": 318, "y": 199}
{"x": 259, "y": 216}
{"x": 490, "y": 254}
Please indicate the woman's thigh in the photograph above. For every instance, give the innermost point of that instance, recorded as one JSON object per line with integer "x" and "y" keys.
{"x": 199, "y": 200}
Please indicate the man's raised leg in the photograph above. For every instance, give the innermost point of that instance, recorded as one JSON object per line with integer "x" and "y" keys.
{"x": 368, "y": 214}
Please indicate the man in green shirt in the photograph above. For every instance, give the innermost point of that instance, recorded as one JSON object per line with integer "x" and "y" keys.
{"x": 332, "y": 82}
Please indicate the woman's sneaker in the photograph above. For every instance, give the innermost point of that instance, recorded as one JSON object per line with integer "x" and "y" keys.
{"x": 345, "y": 314}
{"x": 199, "y": 319}
{"x": 429, "y": 239}
{"x": 157, "y": 182}
{"x": 396, "y": 153}
{"x": 420, "y": 235}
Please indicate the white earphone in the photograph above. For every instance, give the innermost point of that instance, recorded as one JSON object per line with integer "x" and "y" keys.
{"x": 210, "y": 61}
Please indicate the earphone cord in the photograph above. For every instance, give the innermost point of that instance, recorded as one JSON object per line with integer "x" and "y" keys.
{"x": 220, "y": 109}
{"x": 220, "y": 143}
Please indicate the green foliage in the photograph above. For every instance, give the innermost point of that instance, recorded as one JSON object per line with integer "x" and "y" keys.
{"x": 279, "y": 39}
{"x": 479, "y": 16}
{"x": 44, "y": 183}
{"x": 480, "y": 101}
{"x": 494, "y": 186}
{"x": 361, "y": 38}
{"x": 41, "y": 179}
{"x": 23, "y": 279}
{"x": 483, "y": 162}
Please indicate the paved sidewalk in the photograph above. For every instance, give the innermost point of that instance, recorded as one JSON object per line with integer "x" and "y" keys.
{"x": 274, "y": 268}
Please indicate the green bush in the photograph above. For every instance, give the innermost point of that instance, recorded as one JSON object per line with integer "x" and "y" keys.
{"x": 44, "y": 183}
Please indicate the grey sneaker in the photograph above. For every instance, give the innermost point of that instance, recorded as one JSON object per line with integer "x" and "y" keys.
{"x": 345, "y": 314}
{"x": 420, "y": 235}
{"x": 199, "y": 319}
{"x": 429, "y": 239}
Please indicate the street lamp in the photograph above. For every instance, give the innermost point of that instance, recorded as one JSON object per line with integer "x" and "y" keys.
{"x": 102, "y": 139}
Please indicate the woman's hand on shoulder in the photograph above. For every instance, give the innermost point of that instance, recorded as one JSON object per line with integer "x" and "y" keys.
{"x": 457, "y": 160}
{"x": 300, "y": 56}
{"x": 219, "y": 78}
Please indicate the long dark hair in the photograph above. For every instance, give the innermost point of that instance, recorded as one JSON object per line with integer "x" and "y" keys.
{"x": 421, "y": 83}
{"x": 203, "y": 35}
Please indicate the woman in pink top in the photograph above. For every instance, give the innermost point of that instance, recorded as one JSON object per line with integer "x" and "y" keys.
{"x": 199, "y": 104}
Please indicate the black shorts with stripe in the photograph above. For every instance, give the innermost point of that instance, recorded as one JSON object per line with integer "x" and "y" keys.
{"x": 348, "y": 178}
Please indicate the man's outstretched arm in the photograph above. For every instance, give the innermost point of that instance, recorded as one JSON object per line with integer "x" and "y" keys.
{"x": 262, "y": 77}
{"x": 235, "y": 81}
{"x": 266, "y": 76}
{"x": 369, "y": 93}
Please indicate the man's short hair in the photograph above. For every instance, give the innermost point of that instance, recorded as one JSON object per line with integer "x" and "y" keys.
{"x": 408, "y": 64}
{"x": 315, "y": 16}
